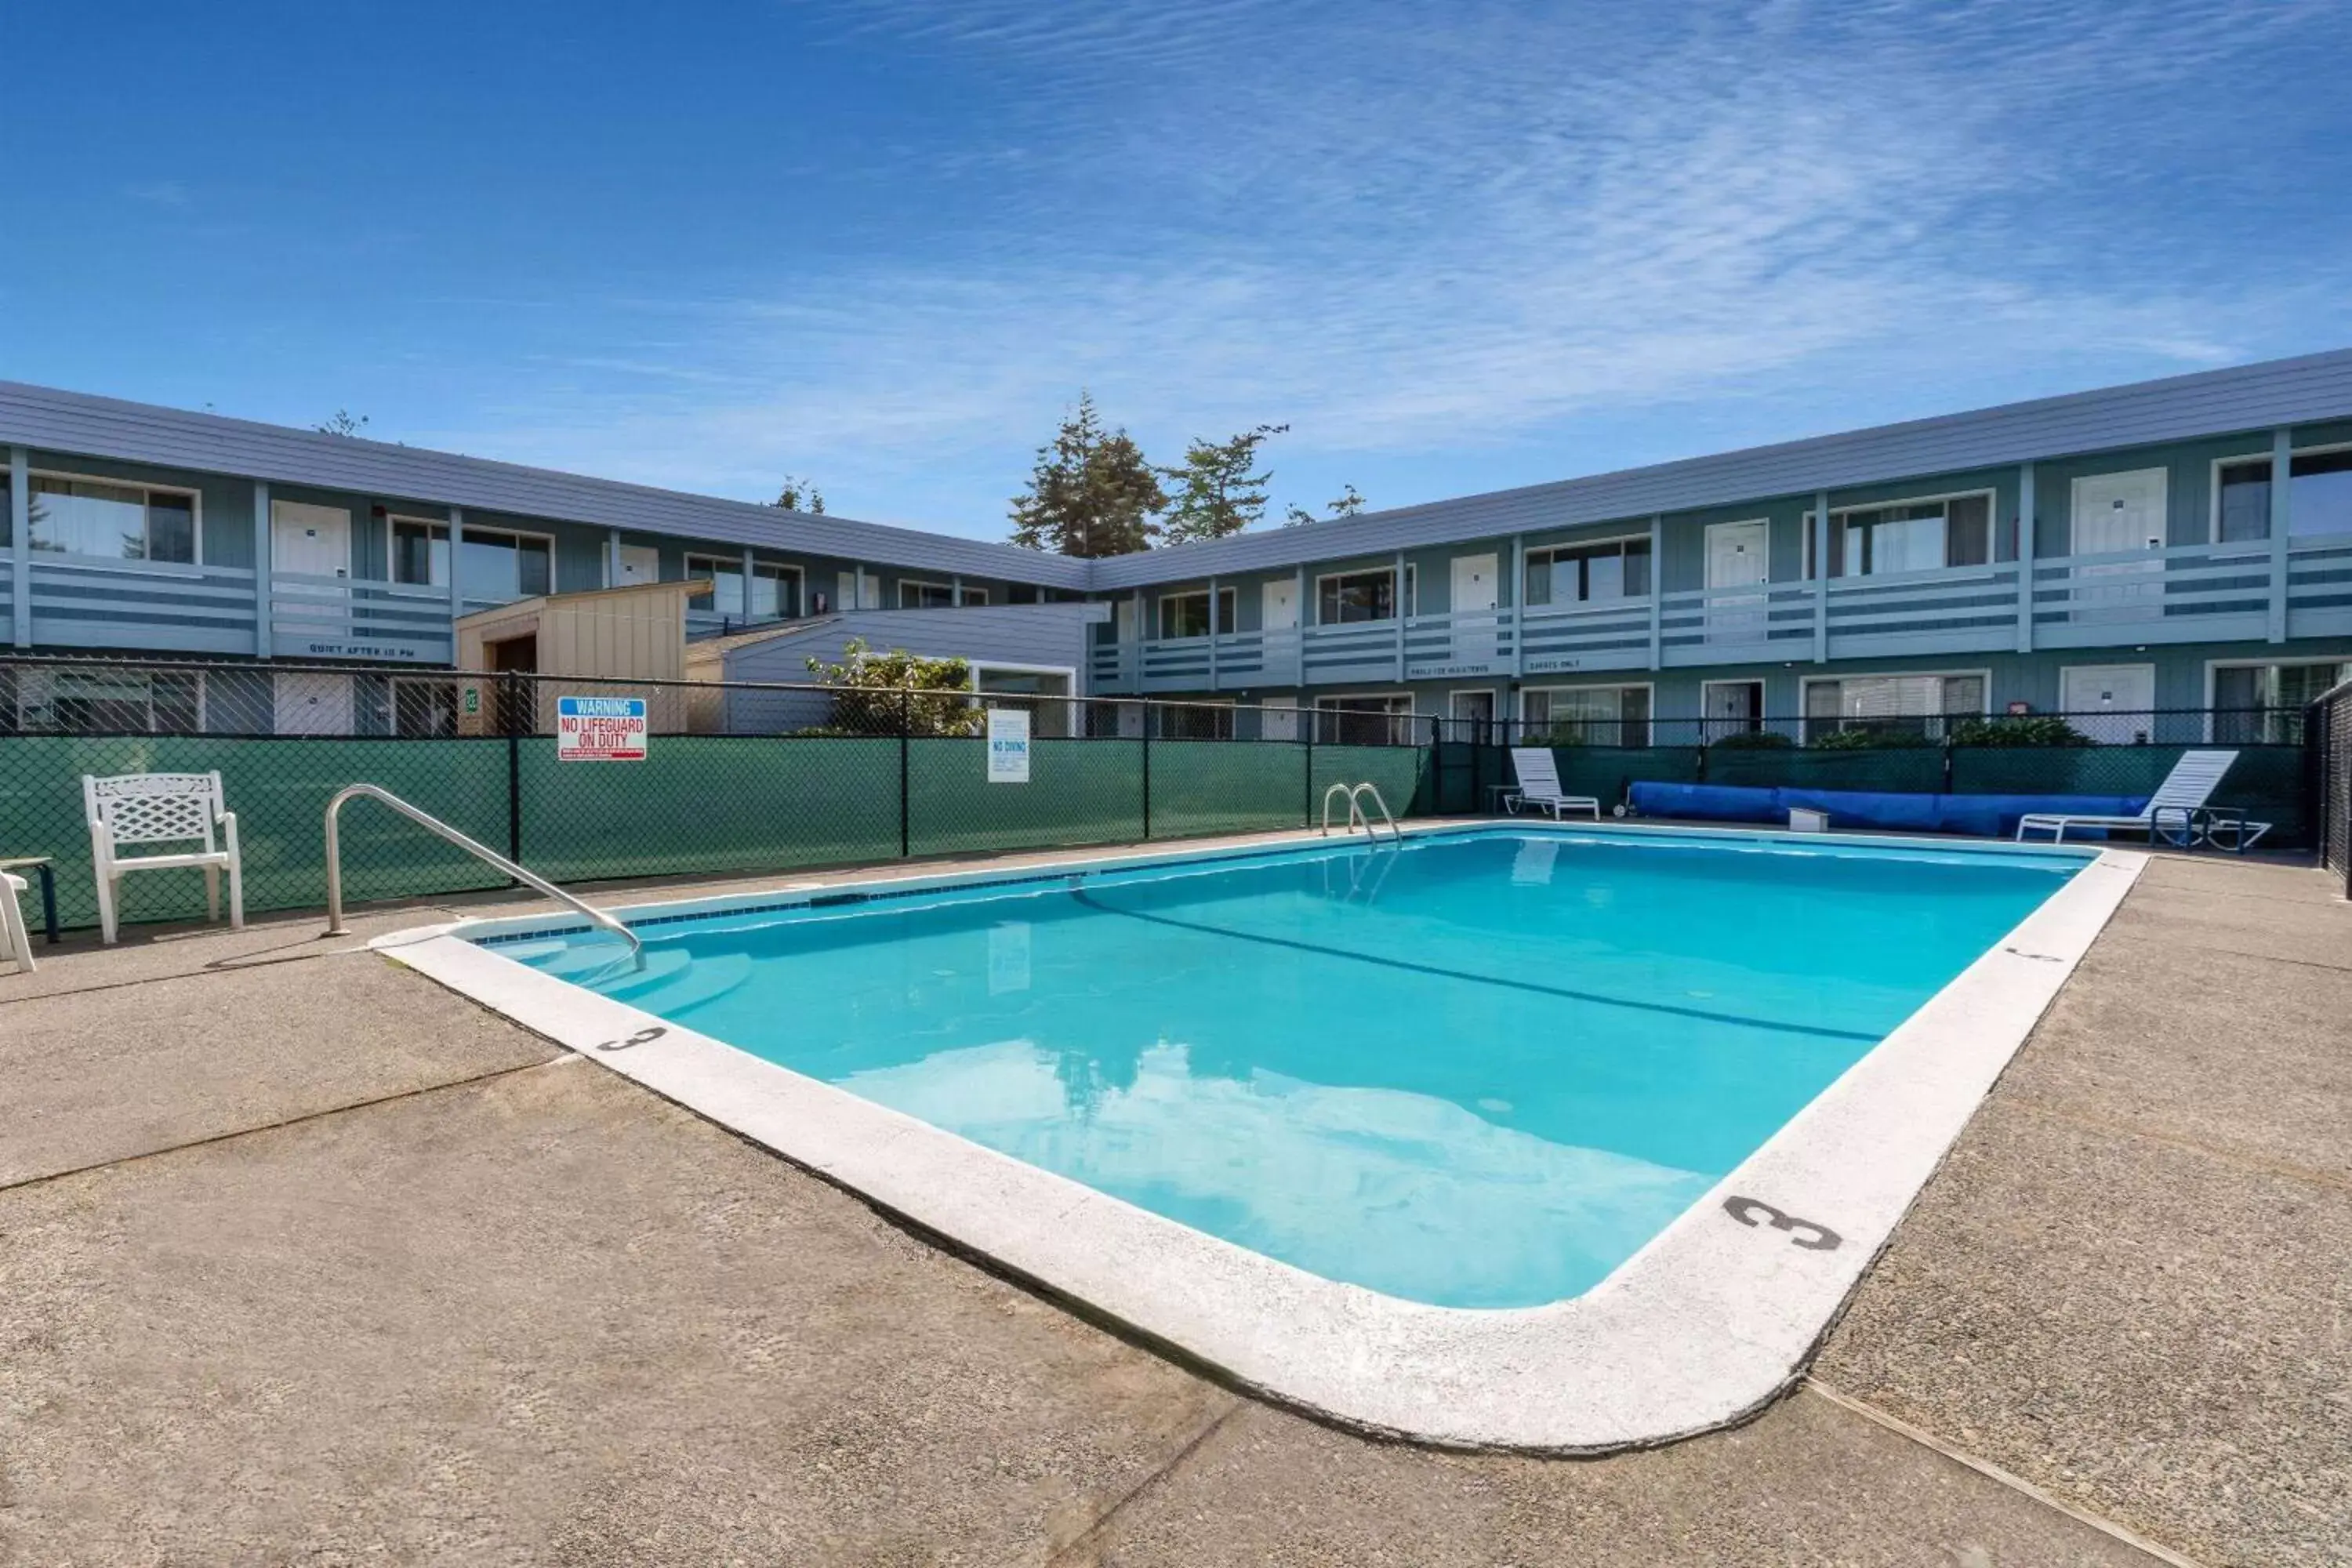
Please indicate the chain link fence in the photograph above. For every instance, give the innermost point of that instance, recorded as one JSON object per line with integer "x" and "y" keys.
{"x": 2328, "y": 746}
{"x": 735, "y": 778}
{"x": 2103, "y": 753}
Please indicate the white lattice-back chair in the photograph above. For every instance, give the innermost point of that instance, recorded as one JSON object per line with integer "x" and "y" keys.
{"x": 162, "y": 808}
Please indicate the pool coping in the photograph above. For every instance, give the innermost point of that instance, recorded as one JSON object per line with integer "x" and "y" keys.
{"x": 1708, "y": 1322}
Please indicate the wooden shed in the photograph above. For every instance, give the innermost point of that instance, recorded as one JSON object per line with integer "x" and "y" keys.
{"x": 600, "y": 641}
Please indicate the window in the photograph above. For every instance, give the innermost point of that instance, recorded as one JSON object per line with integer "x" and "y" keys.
{"x": 1384, "y": 719}
{"x": 1187, "y": 615}
{"x": 915, "y": 595}
{"x": 2318, "y": 495}
{"x": 1586, "y": 715}
{"x": 423, "y": 710}
{"x": 1044, "y": 694}
{"x": 2241, "y": 502}
{"x": 2262, "y": 704}
{"x": 1193, "y": 720}
{"x": 1916, "y": 703}
{"x": 112, "y": 520}
{"x": 501, "y": 567}
{"x": 420, "y": 553}
{"x": 107, "y": 702}
{"x": 774, "y": 588}
{"x": 1350, "y": 596}
{"x": 1619, "y": 569}
{"x": 1906, "y": 536}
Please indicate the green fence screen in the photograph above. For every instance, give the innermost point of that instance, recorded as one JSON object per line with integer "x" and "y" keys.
{"x": 698, "y": 803}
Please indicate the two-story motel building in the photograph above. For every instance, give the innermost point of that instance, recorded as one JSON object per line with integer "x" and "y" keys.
{"x": 2181, "y": 543}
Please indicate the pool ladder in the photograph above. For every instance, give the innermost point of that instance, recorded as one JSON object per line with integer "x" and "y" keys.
{"x": 1355, "y": 796}
{"x": 531, "y": 879}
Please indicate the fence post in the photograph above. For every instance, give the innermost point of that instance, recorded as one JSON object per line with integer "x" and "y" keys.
{"x": 511, "y": 695}
{"x": 906, "y": 727}
{"x": 1147, "y": 770}
{"x": 1947, "y": 761}
{"x": 1306, "y": 808}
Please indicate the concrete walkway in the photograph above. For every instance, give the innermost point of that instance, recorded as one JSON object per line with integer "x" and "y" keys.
{"x": 305, "y": 1260}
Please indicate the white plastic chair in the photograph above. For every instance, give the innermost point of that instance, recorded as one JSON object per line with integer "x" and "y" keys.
{"x": 1538, "y": 775}
{"x": 2170, "y": 813}
{"x": 162, "y": 808}
{"x": 15, "y": 944}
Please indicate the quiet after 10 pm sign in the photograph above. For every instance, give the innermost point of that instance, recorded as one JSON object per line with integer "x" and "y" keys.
{"x": 600, "y": 729}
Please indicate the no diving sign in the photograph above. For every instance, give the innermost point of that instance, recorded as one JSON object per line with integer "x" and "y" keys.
{"x": 1008, "y": 745}
{"x": 600, "y": 729}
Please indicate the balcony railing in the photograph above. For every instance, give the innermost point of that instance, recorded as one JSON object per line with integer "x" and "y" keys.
{"x": 2203, "y": 592}
{"x": 79, "y": 601}
{"x": 342, "y": 618}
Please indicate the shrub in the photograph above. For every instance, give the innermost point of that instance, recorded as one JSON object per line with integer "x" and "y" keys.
{"x": 2018, "y": 730}
{"x": 1753, "y": 741}
{"x": 1871, "y": 738}
{"x": 880, "y": 692}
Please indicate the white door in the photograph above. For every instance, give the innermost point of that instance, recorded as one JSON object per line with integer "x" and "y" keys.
{"x": 1278, "y": 722}
{"x": 1278, "y": 606}
{"x": 1737, "y": 553}
{"x": 310, "y": 541}
{"x": 1474, "y": 596}
{"x": 2109, "y": 702}
{"x": 2114, "y": 513}
{"x": 313, "y": 705}
{"x": 1732, "y": 707}
{"x": 639, "y": 564}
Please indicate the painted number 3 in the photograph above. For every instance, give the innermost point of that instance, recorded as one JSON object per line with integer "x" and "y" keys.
{"x": 639, "y": 1038}
{"x": 1803, "y": 1233}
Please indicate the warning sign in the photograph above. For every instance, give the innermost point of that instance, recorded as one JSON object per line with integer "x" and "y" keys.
{"x": 600, "y": 729}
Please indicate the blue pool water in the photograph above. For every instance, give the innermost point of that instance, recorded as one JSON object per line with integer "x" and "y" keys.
{"x": 1479, "y": 1070}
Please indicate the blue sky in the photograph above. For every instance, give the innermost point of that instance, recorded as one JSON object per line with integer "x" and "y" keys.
{"x": 1456, "y": 245}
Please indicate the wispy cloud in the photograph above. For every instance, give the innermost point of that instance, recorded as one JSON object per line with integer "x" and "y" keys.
{"x": 1411, "y": 228}
{"x": 161, "y": 193}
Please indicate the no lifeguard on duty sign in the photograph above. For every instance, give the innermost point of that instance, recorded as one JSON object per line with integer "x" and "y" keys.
{"x": 600, "y": 729}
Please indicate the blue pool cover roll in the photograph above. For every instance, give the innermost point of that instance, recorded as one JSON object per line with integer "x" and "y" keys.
{"x": 1987, "y": 816}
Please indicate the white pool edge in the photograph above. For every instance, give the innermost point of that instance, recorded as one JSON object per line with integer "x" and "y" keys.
{"x": 1705, "y": 1324}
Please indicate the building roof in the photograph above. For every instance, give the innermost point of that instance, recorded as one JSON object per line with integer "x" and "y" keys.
{"x": 2251, "y": 397}
{"x": 2209, "y": 402}
{"x": 80, "y": 422}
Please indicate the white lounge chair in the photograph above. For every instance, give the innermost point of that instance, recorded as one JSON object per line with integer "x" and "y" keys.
{"x": 14, "y": 943}
{"x": 2170, "y": 813}
{"x": 1539, "y": 774}
{"x": 162, "y": 808}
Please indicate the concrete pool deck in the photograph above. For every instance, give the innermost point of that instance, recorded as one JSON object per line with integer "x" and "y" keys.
{"x": 307, "y": 1258}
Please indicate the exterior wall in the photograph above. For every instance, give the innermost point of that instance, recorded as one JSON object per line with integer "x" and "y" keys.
{"x": 2181, "y": 672}
{"x": 226, "y": 505}
{"x": 1052, "y": 636}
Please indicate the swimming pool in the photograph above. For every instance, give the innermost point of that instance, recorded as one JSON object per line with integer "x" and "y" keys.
{"x": 1373, "y": 1103}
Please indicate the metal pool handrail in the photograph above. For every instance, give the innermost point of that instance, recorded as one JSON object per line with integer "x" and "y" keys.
{"x": 1356, "y": 812}
{"x": 531, "y": 879}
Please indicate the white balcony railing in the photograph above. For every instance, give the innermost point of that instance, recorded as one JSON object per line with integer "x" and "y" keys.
{"x": 2203, "y": 592}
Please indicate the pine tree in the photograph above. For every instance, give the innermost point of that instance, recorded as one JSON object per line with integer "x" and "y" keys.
{"x": 1091, "y": 493}
{"x": 1349, "y": 504}
{"x": 1216, "y": 492}
{"x": 800, "y": 495}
